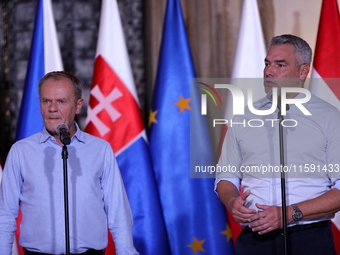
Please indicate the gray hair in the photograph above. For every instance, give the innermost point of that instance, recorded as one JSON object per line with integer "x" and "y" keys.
{"x": 302, "y": 50}
{"x": 57, "y": 75}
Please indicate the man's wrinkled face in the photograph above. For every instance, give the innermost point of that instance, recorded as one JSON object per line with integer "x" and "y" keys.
{"x": 58, "y": 104}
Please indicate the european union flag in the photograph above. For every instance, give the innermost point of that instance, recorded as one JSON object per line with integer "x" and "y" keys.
{"x": 196, "y": 220}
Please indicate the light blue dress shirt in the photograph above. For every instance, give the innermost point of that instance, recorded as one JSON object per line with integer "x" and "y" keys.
{"x": 33, "y": 178}
{"x": 310, "y": 142}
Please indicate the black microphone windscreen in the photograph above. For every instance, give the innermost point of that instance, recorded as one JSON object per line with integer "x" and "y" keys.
{"x": 61, "y": 126}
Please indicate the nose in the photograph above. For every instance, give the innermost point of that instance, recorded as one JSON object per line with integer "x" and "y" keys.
{"x": 53, "y": 106}
{"x": 268, "y": 71}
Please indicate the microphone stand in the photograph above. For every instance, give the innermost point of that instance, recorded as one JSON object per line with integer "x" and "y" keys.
{"x": 64, "y": 156}
{"x": 283, "y": 179}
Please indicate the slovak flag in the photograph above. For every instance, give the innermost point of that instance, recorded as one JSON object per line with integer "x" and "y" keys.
{"x": 44, "y": 57}
{"x": 114, "y": 115}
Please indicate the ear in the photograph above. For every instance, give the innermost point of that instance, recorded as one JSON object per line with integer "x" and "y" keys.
{"x": 304, "y": 70}
{"x": 80, "y": 103}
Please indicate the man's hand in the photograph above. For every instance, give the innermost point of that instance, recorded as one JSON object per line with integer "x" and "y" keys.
{"x": 234, "y": 202}
{"x": 268, "y": 219}
{"x": 238, "y": 211}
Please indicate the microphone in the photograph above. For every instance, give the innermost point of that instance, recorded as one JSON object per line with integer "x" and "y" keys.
{"x": 64, "y": 135}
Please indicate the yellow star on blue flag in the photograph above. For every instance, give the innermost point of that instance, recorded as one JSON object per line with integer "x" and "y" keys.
{"x": 183, "y": 104}
{"x": 197, "y": 245}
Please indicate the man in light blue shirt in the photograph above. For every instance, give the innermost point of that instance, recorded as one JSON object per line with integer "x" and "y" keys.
{"x": 312, "y": 157}
{"x": 33, "y": 179}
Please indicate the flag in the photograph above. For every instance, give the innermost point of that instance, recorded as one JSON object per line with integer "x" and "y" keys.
{"x": 326, "y": 71}
{"x": 248, "y": 63}
{"x": 114, "y": 115}
{"x": 195, "y": 219}
{"x": 326, "y": 66}
{"x": 44, "y": 57}
{"x": 249, "y": 55}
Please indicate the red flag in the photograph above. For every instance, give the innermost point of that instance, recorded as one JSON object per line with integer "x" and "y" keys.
{"x": 326, "y": 64}
{"x": 326, "y": 71}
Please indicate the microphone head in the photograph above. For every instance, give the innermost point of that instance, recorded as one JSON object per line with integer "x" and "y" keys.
{"x": 63, "y": 133}
{"x": 61, "y": 126}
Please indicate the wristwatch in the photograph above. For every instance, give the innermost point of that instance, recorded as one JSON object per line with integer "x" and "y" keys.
{"x": 297, "y": 214}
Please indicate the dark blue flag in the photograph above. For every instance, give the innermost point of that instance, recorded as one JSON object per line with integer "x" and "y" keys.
{"x": 195, "y": 218}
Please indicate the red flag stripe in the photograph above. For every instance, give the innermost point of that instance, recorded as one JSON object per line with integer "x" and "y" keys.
{"x": 327, "y": 54}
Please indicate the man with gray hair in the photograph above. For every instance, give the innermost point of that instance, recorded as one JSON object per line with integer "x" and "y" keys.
{"x": 312, "y": 151}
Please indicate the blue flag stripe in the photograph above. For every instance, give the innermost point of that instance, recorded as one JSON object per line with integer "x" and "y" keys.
{"x": 149, "y": 233}
{"x": 30, "y": 120}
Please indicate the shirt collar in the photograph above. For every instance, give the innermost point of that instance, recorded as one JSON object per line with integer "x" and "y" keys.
{"x": 79, "y": 135}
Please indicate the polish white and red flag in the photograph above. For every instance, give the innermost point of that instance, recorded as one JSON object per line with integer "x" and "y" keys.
{"x": 326, "y": 71}
{"x": 248, "y": 63}
{"x": 114, "y": 115}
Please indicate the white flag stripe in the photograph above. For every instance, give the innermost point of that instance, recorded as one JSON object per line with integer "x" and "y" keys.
{"x": 321, "y": 89}
{"x": 250, "y": 49}
{"x": 53, "y": 61}
{"x": 249, "y": 55}
{"x": 15, "y": 250}
{"x": 112, "y": 47}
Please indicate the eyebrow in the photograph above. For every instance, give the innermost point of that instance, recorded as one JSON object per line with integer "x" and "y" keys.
{"x": 280, "y": 61}
{"x": 57, "y": 99}
{"x": 276, "y": 61}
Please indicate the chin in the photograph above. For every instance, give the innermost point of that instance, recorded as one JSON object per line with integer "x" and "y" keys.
{"x": 51, "y": 128}
{"x": 51, "y": 131}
